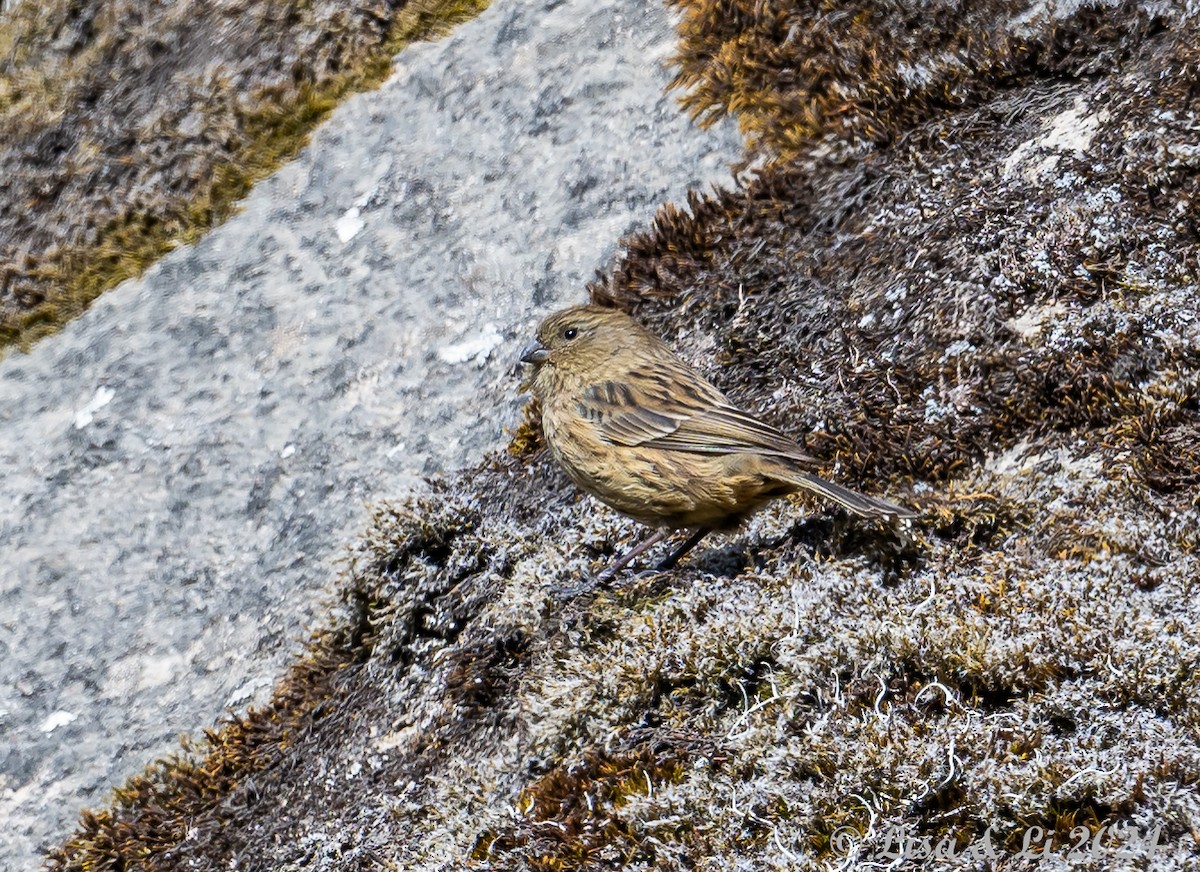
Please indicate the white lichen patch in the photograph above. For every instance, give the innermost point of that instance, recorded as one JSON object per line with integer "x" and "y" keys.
{"x": 1029, "y": 324}
{"x": 476, "y": 347}
{"x": 99, "y": 400}
{"x": 349, "y": 224}
{"x": 1071, "y": 131}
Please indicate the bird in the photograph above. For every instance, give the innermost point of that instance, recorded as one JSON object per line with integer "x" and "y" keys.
{"x": 645, "y": 433}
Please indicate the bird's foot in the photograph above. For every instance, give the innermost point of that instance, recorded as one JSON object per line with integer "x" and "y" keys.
{"x": 606, "y": 575}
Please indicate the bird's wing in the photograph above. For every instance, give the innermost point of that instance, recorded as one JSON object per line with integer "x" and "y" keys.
{"x": 675, "y": 408}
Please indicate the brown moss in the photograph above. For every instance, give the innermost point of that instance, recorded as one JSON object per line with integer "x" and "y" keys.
{"x": 1069, "y": 825}
{"x": 1165, "y": 443}
{"x": 976, "y": 520}
{"x": 482, "y": 673}
{"x": 794, "y": 74}
{"x": 527, "y": 439}
{"x": 570, "y": 817}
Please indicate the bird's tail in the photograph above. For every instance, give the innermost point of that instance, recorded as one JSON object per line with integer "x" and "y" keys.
{"x": 859, "y": 504}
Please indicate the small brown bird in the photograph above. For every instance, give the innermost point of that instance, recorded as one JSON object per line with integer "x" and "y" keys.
{"x": 642, "y": 431}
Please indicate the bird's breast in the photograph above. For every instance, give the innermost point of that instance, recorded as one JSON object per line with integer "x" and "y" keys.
{"x": 576, "y": 443}
{"x": 659, "y": 487}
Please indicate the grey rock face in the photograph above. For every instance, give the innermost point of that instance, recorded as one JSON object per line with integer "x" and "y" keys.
{"x": 184, "y": 463}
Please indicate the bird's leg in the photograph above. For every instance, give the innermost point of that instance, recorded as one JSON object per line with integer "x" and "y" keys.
{"x": 624, "y": 560}
{"x": 692, "y": 541}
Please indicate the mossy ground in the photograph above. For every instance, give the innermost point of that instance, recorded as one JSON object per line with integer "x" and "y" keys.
{"x": 994, "y": 325}
{"x": 134, "y": 127}
{"x": 867, "y": 71}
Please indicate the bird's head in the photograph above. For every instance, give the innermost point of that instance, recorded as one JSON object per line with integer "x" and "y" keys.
{"x": 577, "y": 343}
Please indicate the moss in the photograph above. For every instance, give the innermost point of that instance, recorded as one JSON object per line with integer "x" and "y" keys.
{"x": 482, "y": 674}
{"x": 1067, "y": 825}
{"x": 976, "y": 520}
{"x": 796, "y": 74}
{"x": 570, "y": 818}
{"x": 527, "y": 440}
{"x": 93, "y": 234}
{"x": 1165, "y": 445}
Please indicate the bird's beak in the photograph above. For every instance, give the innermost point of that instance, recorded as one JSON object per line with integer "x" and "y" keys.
{"x": 534, "y": 352}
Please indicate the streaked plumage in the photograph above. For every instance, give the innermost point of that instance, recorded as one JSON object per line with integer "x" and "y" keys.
{"x": 645, "y": 433}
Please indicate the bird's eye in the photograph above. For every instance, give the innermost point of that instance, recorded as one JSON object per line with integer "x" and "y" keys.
{"x": 570, "y": 333}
